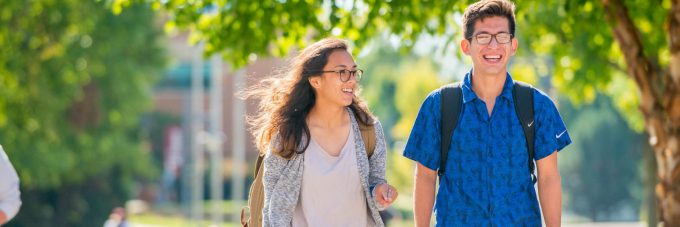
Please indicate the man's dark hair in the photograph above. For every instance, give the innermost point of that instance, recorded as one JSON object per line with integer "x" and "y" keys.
{"x": 485, "y": 9}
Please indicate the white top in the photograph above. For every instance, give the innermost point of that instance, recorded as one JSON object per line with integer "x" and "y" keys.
{"x": 331, "y": 192}
{"x": 10, "y": 199}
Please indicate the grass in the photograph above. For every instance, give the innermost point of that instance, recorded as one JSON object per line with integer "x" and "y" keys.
{"x": 155, "y": 219}
{"x": 170, "y": 215}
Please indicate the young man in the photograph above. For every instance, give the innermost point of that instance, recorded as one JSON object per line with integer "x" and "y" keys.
{"x": 487, "y": 182}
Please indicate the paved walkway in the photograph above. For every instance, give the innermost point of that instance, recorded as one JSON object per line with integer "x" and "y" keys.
{"x": 606, "y": 224}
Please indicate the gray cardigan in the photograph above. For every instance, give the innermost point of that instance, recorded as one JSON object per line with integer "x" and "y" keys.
{"x": 283, "y": 178}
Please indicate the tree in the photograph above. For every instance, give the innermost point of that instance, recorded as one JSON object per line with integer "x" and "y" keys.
{"x": 74, "y": 80}
{"x": 599, "y": 46}
{"x": 417, "y": 81}
{"x": 593, "y": 46}
{"x": 388, "y": 77}
{"x": 378, "y": 86}
{"x": 602, "y": 167}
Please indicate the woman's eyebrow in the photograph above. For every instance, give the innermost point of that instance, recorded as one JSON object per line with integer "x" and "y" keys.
{"x": 345, "y": 66}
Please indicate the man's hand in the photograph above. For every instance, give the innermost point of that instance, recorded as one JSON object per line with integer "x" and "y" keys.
{"x": 385, "y": 194}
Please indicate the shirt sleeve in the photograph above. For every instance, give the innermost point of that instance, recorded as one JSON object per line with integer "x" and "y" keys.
{"x": 551, "y": 133}
{"x": 378, "y": 161}
{"x": 10, "y": 196}
{"x": 273, "y": 165}
{"x": 424, "y": 142}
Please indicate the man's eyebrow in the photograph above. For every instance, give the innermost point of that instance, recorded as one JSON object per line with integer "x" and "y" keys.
{"x": 485, "y": 32}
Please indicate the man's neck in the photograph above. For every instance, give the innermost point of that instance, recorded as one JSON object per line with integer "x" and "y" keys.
{"x": 488, "y": 86}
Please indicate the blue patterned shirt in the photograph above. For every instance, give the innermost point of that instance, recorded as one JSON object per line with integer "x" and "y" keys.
{"x": 487, "y": 180}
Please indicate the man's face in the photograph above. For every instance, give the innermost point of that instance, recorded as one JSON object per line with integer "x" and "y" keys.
{"x": 490, "y": 58}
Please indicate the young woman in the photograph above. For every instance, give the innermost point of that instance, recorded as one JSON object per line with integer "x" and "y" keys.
{"x": 316, "y": 169}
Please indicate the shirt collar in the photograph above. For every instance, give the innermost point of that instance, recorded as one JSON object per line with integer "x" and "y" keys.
{"x": 469, "y": 94}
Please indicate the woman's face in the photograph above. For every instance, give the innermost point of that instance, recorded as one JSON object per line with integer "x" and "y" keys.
{"x": 329, "y": 86}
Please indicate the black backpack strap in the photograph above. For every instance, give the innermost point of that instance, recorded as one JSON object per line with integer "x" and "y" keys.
{"x": 522, "y": 94}
{"x": 451, "y": 103}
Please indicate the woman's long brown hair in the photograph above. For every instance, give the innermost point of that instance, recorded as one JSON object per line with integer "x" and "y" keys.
{"x": 286, "y": 98}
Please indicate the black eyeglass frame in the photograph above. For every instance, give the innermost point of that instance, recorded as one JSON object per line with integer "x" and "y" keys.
{"x": 494, "y": 36}
{"x": 358, "y": 74}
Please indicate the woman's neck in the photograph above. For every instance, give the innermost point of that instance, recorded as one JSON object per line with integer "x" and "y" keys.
{"x": 327, "y": 116}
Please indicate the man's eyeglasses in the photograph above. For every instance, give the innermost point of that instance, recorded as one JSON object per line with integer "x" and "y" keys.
{"x": 345, "y": 74}
{"x": 501, "y": 38}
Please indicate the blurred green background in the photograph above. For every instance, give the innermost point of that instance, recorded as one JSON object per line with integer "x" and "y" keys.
{"x": 93, "y": 93}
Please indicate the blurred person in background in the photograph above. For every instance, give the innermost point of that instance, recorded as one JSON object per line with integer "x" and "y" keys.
{"x": 10, "y": 196}
{"x": 117, "y": 218}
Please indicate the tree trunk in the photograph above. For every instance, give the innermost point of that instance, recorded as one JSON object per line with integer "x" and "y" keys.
{"x": 86, "y": 112}
{"x": 659, "y": 101}
{"x": 649, "y": 180}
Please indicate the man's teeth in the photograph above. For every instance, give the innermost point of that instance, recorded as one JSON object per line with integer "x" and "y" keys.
{"x": 347, "y": 90}
{"x": 492, "y": 56}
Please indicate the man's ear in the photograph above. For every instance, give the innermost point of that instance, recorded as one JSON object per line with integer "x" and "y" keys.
{"x": 465, "y": 46}
{"x": 514, "y": 46}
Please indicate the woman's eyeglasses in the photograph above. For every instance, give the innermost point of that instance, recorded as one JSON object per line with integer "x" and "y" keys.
{"x": 346, "y": 74}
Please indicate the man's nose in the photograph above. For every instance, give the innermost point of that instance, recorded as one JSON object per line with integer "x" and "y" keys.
{"x": 494, "y": 42}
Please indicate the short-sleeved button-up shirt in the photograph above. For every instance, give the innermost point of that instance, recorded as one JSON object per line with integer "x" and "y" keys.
{"x": 487, "y": 181}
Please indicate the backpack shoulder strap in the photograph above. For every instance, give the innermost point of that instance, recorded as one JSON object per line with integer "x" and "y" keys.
{"x": 251, "y": 215}
{"x": 368, "y": 135}
{"x": 451, "y": 102}
{"x": 258, "y": 164}
{"x": 522, "y": 95}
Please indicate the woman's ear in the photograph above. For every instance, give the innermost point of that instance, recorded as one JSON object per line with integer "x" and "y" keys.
{"x": 315, "y": 81}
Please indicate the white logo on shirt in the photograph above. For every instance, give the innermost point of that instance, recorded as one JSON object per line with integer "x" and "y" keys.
{"x": 560, "y": 135}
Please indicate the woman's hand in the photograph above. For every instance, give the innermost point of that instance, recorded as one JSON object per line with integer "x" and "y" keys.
{"x": 385, "y": 194}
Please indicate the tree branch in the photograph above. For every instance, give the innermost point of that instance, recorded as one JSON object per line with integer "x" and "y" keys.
{"x": 639, "y": 66}
{"x": 674, "y": 41}
{"x": 614, "y": 65}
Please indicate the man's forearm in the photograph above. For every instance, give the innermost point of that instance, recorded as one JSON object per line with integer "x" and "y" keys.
{"x": 424, "y": 201}
{"x": 550, "y": 194}
{"x": 423, "y": 195}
